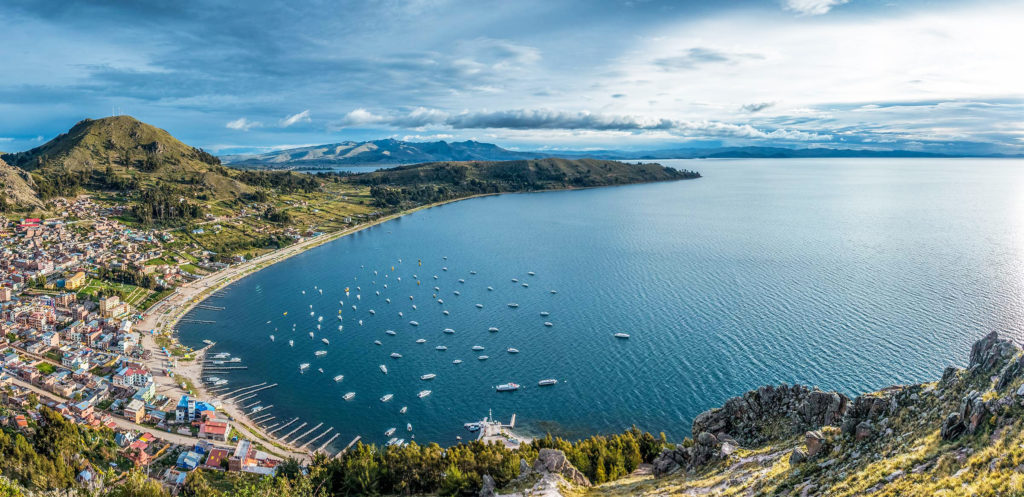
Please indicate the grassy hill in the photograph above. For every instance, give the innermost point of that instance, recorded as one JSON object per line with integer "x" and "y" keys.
{"x": 17, "y": 189}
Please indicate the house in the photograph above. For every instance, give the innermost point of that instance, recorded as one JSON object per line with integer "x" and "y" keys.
{"x": 216, "y": 456}
{"x": 188, "y": 409}
{"x": 132, "y": 377}
{"x": 75, "y": 282}
{"x": 135, "y": 411}
{"x": 189, "y": 460}
{"x": 215, "y": 430}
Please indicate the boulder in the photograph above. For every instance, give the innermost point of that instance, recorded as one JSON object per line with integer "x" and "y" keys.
{"x": 554, "y": 461}
{"x": 989, "y": 351}
{"x": 952, "y": 427}
{"x": 864, "y": 430}
{"x": 815, "y": 441}
{"x": 797, "y": 456}
{"x": 487, "y": 489}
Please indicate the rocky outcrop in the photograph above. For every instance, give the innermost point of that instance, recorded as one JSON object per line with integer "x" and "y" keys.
{"x": 18, "y": 187}
{"x": 487, "y": 488}
{"x": 554, "y": 461}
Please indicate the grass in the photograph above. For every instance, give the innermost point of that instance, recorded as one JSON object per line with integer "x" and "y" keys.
{"x": 153, "y": 298}
{"x": 94, "y": 285}
{"x": 46, "y": 368}
{"x": 158, "y": 261}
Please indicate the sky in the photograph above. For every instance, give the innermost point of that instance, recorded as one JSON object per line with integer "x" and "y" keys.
{"x": 927, "y": 75}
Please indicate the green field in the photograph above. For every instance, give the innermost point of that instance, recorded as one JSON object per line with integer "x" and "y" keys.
{"x": 131, "y": 294}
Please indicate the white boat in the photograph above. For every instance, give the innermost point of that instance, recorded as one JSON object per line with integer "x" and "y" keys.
{"x": 490, "y": 289}
{"x": 387, "y": 300}
{"x": 492, "y": 329}
{"x": 210, "y": 342}
{"x": 408, "y": 427}
{"x": 384, "y": 369}
{"x": 428, "y": 376}
{"x": 321, "y": 370}
{"x": 291, "y": 343}
{"x": 483, "y": 358}
{"x": 457, "y": 361}
{"x": 360, "y": 322}
{"x": 414, "y": 323}
{"x": 377, "y": 342}
{"x": 414, "y": 307}
{"x": 423, "y": 393}
{"x": 392, "y": 441}
{"x": 349, "y": 396}
{"x": 339, "y": 377}
{"x": 478, "y": 347}
{"x": 220, "y": 383}
{"x": 513, "y": 305}
{"x": 387, "y": 397}
{"x": 531, "y": 273}
{"x": 400, "y": 314}
{"x": 461, "y": 280}
{"x": 372, "y": 312}
{"x": 396, "y": 355}
{"x": 440, "y": 347}
{"x": 553, "y": 292}
{"x": 326, "y": 341}
{"x": 449, "y": 331}
{"x": 304, "y": 366}
{"x": 456, "y": 292}
{"x": 444, "y": 269}
{"x": 545, "y": 314}
{"x": 391, "y": 431}
{"x": 479, "y": 306}
{"x": 515, "y": 280}
{"x": 390, "y": 332}
{"x": 445, "y": 313}
{"x": 271, "y": 338}
{"x": 403, "y": 409}
{"x": 548, "y": 382}
{"x": 526, "y": 285}
{"x": 236, "y": 359}
{"x": 621, "y": 335}
{"x": 311, "y": 335}
{"x": 221, "y": 355}
{"x": 512, "y": 350}
{"x": 421, "y": 340}
{"x": 320, "y": 353}
{"x": 472, "y": 272}
{"x": 507, "y": 387}
{"x": 548, "y": 324}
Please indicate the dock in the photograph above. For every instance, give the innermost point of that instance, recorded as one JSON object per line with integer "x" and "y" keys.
{"x": 304, "y": 435}
{"x": 349, "y": 446}
{"x": 197, "y": 321}
{"x": 297, "y": 428}
{"x": 328, "y": 442}
{"x": 318, "y": 437}
{"x": 284, "y": 426}
{"x": 210, "y": 307}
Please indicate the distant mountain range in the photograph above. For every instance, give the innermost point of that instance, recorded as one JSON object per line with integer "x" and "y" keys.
{"x": 390, "y": 151}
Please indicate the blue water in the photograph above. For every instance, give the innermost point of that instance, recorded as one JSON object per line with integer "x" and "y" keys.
{"x": 846, "y": 274}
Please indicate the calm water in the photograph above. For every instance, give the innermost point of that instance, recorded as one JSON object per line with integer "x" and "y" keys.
{"x": 846, "y": 274}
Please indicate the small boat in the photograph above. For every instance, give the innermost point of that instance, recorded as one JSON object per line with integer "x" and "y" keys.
{"x": 387, "y": 300}
{"x": 548, "y": 382}
{"x": 414, "y": 307}
{"x": 236, "y": 359}
{"x": 304, "y": 366}
{"x": 377, "y": 342}
{"x": 414, "y": 323}
{"x": 440, "y": 347}
{"x": 548, "y": 324}
{"x": 271, "y": 338}
{"x": 349, "y": 396}
{"x": 372, "y": 312}
{"x": 396, "y": 355}
{"x": 553, "y": 292}
{"x": 483, "y": 358}
{"x": 439, "y": 301}
{"x": 472, "y": 426}
{"x": 621, "y": 335}
{"x": 220, "y": 383}
{"x": 326, "y": 341}
{"x": 492, "y": 329}
{"x": 513, "y": 305}
{"x": 311, "y": 335}
{"x": 515, "y": 280}
{"x": 490, "y": 289}
{"x": 462, "y": 280}
{"x": 339, "y": 377}
{"x": 391, "y": 431}
{"x": 429, "y": 376}
{"x": 478, "y": 347}
{"x": 384, "y": 369}
{"x": 512, "y": 350}
{"x": 320, "y": 353}
{"x": 545, "y": 313}
{"x": 392, "y": 441}
{"x": 390, "y": 332}
{"x": 291, "y": 343}
{"x": 408, "y": 427}
{"x": 526, "y": 285}
{"x": 445, "y": 313}
{"x": 507, "y": 387}
{"x": 387, "y": 397}
{"x": 400, "y": 314}
{"x": 449, "y": 331}
{"x": 403, "y": 409}
{"x": 457, "y": 361}
{"x": 210, "y": 342}
{"x": 444, "y": 269}
{"x": 479, "y": 306}
{"x": 221, "y": 355}
{"x": 321, "y": 370}
{"x": 421, "y": 340}
{"x": 456, "y": 293}
{"x": 360, "y": 322}
{"x": 531, "y": 273}
{"x": 423, "y": 393}
{"x": 472, "y": 272}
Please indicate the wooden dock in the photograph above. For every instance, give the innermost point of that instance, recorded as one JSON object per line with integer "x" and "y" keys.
{"x": 349, "y": 446}
{"x": 297, "y": 428}
{"x": 304, "y": 435}
{"x": 318, "y": 437}
{"x": 283, "y": 426}
{"x": 328, "y": 442}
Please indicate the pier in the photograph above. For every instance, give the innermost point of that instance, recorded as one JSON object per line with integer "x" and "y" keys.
{"x": 328, "y": 442}
{"x": 318, "y": 437}
{"x": 283, "y": 426}
{"x": 304, "y": 435}
{"x": 297, "y": 428}
{"x": 197, "y": 321}
{"x": 210, "y": 307}
{"x": 349, "y": 446}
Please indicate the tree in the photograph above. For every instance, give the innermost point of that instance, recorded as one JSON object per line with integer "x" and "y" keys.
{"x": 137, "y": 485}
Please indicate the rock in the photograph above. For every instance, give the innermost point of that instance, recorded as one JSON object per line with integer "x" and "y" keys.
{"x": 487, "y": 489}
{"x": 988, "y": 351}
{"x": 524, "y": 468}
{"x": 797, "y": 456}
{"x": 894, "y": 475}
{"x": 554, "y": 461}
{"x": 814, "y": 441}
{"x": 665, "y": 463}
{"x": 952, "y": 427}
{"x": 864, "y": 430}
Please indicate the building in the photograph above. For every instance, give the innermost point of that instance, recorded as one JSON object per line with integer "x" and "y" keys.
{"x": 75, "y": 282}
{"x": 188, "y": 409}
{"x": 215, "y": 430}
{"x": 132, "y": 377}
{"x": 135, "y": 411}
{"x": 5, "y": 294}
{"x": 244, "y": 456}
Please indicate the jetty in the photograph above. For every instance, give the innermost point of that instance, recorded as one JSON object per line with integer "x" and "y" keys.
{"x": 197, "y": 321}
{"x": 304, "y": 435}
{"x": 349, "y": 446}
{"x": 328, "y": 442}
{"x": 318, "y": 437}
{"x": 297, "y": 428}
{"x": 283, "y": 426}
{"x": 210, "y": 307}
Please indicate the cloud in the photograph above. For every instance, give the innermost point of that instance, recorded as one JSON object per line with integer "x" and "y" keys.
{"x": 756, "y": 107}
{"x": 301, "y": 117}
{"x": 4, "y": 139}
{"x": 243, "y": 124}
{"x": 357, "y": 117}
{"x": 692, "y": 58}
{"x": 812, "y": 7}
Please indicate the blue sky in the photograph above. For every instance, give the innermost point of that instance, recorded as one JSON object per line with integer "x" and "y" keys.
{"x": 944, "y": 76}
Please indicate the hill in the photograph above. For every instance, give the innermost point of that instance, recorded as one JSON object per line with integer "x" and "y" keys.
{"x": 18, "y": 188}
{"x": 437, "y": 181}
{"x": 388, "y": 151}
{"x": 125, "y": 154}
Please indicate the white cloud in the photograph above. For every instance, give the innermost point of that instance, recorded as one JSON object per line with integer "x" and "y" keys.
{"x": 4, "y": 139}
{"x": 812, "y": 7}
{"x": 243, "y": 124}
{"x": 301, "y": 117}
{"x": 358, "y": 117}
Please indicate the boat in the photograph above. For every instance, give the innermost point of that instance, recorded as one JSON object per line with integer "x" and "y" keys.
{"x": 492, "y": 329}
{"x": 512, "y": 350}
{"x": 400, "y": 314}
{"x": 212, "y": 379}
{"x": 339, "y": 377}
{"x": 507, "y": 387}
{"x": 221, "y": 355}
{"x": 478, "y": 347}
{"x": 440, "y": 347}
{"x": 391, "y": 431}
{"x": 526, "y": 285}
{"x": 423, "y": 393}
{"x": 390, "y": 332}
{"x": 444, "y": 269}
{"x": 457, "y": 361}
{"x": 449, "y": 331}
{"x": 461, "y": 280}
{"x": 490, "y": 289}
{"x": 403, "y": 409}
{"x": 320, "y": 353}
{"x": 349, "y": 396}
{"x": 391, "y": 442}
{"x": 553, "y": 292}
{"x": 408, "y": 427}
{"x": 548, "y": 324}
{"x": 387, "y": 397}
{"x": 414, "y": 307}
{"x": 513, "y": 305}
{"x": 291, "y": 343}
{"x": 384, "y": 369}
{"x": 548, "y": 382}
{"x": 472, "y": 272}
{"x": 304, "y": 366}
{"x": 414, "y": 323}
{"x": 621, "y": 335}
{"x": 428, "y": 376}
{"x": 220, "y": 383}
{"x": 472, "y": 426}
{"x": 326, "y": 341}
{"x": 483, "y": 358}
{"x": 421, "y": 340}
{"x": 377, "y": 342}
{"x": 456, "y": 293}
{"x": 445, "y": 313}
{"x": 321, "y": 370}
{"x": 531, "y": 273}
{"x": 311, "y": 335}
{"x": 387, "y": 300}
{"x": 210, "y": 342}
{"x": 396, "y": 355}
{"x": 479, "y": 306}
{"x": 545, "y": 313}
{"x": 236, "y": 359}
{"x": 515, "y": 280}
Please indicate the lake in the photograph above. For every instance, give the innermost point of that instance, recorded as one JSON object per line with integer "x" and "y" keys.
{"x": 848, "y": 274}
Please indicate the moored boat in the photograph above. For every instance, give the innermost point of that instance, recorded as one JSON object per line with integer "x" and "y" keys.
{"x": 507, "y": 387}
{"x": 621, "y": 335}
{"x": 387, "y": 397}
{"x": 383, "y": 369}
{"x": 548, "y": 382}
{"x": 423, "y": 393}
{"x": 339, "y": 377}
{"x": 349, "y": 396}
{"x": 428, "y": 376}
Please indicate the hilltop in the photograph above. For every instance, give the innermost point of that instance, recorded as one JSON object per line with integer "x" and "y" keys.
{"x": 388, "y": 151}
{"x": 123, "y": 153}
{"x": 18, "y": 189}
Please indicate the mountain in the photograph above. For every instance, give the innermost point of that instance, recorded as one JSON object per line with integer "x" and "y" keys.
{"x": 388, "y": 151}
{"x": 125, "y": 153}
{"x": 17, "y": 187}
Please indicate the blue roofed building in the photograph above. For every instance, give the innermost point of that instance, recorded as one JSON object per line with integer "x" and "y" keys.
{"x": 189, "y": 460}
